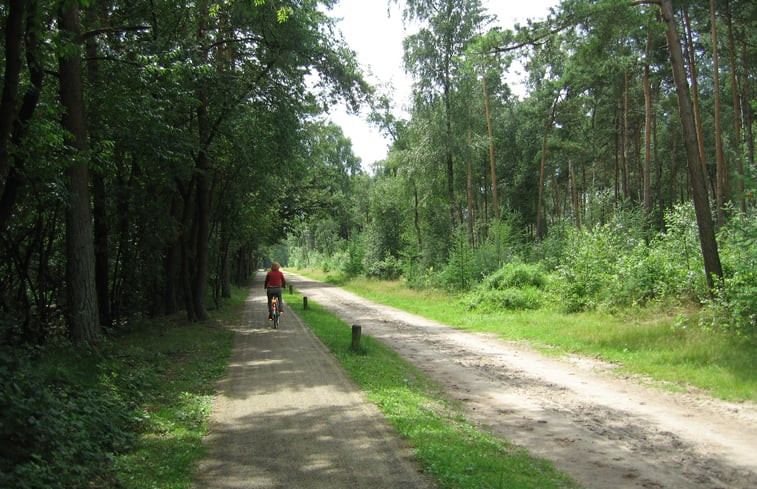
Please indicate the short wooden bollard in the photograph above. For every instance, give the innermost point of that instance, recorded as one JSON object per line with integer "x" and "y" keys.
{"x": 356, "y": 332}
{"x": 291, "y": 289}
{"x": 305, "y": 302}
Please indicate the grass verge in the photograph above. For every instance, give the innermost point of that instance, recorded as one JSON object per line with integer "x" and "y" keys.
{"x": 453, "y": 451}
{"x": 176, "y": 368}
{"x": 662, "y": 345}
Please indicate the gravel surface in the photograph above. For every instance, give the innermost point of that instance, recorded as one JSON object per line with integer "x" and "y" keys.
{"x": 603, "y": 430}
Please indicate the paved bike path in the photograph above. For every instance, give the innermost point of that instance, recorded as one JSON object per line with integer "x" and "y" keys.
{"x": 287, "y": 416}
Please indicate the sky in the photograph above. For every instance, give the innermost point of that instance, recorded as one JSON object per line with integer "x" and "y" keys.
{"x": 375, "y": 32}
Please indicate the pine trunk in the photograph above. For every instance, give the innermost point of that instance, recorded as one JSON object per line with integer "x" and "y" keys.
{"x": 707, "y": 240}
{"x": 722, "y": 190}
{"x": 490, "y": 130}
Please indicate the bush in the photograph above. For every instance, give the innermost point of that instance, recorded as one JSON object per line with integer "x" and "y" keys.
{"x": 734, "y": 307}
{"x": 54, "y": 434}
{"x": 353, "y": 265}
{"x": 515, "y": 286}
{"x": 618, "y": 265}
{"x": 516, "y": 275}
{"x": 389, "y": 268}
{"x": 511, "y": 298}
{"x": 583, "y": 280}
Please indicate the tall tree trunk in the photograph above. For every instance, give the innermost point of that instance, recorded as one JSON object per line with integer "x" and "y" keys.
{"x": 448, "y": 154}
{"x": 695, "y": 91}
{"x": 647, "y": 133}
{"x": 736, "y": 107}
{"x": 722, "y": 190}
{"x": 574, "y": 194}
{"x": 14, "y": 42}
{"x": 626, "y": 146}
{"x": 99, "y": 192}
{"x": 542, "y": 164}
{"x": 225, "y": 258}
{"x": 417, "y": 217}
{"x": 747, "y": 107}
{"x": 707, "y": 240}
{"x": 202, "y": 247}
{"x": 469, "y": 184}
{"x": 13, "y": 120}
{"x": 80, "y": 254}
{"x": 618, "y": 141}
{"x": 492, "y": 165}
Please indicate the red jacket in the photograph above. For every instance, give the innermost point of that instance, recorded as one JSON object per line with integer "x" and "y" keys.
{"x": 275, "y": 278}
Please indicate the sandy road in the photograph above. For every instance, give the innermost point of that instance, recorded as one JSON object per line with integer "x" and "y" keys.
{"x": 286, "y": 416}
{"x": 604, "y": 431}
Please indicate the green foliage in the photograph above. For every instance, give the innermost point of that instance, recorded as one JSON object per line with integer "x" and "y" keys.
{"x": 734, "y": 307}
{"x": 131, "y": 413}
{"x": 516, "y": 275}
{"x": 614, "y": 265}
{"x": 669, "y": 267}
{"x": 515, "y": 286}
{"x": 353, "y": 265}
{"x": 59, "y": 430}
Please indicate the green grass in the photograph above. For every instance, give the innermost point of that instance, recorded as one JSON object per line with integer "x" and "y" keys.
{"x": 662, "y": 345}
{"x": 453, "y": 451}
{"x": 182, "y": 363}
{"x": 176, "y": 405}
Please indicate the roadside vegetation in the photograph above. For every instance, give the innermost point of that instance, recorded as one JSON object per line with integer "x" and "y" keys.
{"x": 129, "y": 412}
{"x": 613, "y": 292}
{"x": 453, "y": 451}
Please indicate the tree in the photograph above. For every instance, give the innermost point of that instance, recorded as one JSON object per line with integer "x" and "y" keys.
{"x": 705, "y": 224}
{"x": 431, "y": 55}
{"x": 83, "y": 320}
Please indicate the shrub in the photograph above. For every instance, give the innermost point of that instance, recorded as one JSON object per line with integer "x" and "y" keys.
{"x": 584, "y": 278}
{"x": 460, "y": 272}
{"x": 54, "y": 434}
{"x": 618, "y": 265}
{"x": 516, "y": 275}
{"x": 510, "y": 298}
{"x": 734, "y": 307}
{"x": 353, "y": 264}
{"x": 515, "y": 286}
{"x": 388, "y": 268}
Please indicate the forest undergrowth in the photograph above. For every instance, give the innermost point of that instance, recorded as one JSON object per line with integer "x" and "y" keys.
{"x": 129, "y": 412}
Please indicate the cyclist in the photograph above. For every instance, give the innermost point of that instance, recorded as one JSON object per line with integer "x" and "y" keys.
{"x": 274, "y": 283}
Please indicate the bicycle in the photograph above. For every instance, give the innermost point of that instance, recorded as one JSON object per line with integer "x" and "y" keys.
{"x": 275, "y": 313}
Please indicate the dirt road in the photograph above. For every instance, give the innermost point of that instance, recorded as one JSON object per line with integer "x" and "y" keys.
{"x": 604, "y": 431}
{"x": 287, "y": 417}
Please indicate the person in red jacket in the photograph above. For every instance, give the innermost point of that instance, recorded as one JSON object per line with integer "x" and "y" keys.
{"x": 274, "y": 283}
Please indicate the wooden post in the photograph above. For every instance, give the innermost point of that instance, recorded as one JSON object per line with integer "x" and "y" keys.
{"x": 290, "y": 290}
{"x": 305, "y": 302}
{"x": 356, "y": 332}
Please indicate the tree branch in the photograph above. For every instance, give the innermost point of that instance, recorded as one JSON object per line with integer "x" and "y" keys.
{"x": 112, "y": 30}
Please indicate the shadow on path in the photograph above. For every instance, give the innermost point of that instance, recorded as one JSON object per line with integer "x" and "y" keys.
{"x": 287, "y": 416}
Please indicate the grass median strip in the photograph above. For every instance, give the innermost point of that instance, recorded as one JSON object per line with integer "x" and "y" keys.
{"x": 453, "y": 451}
